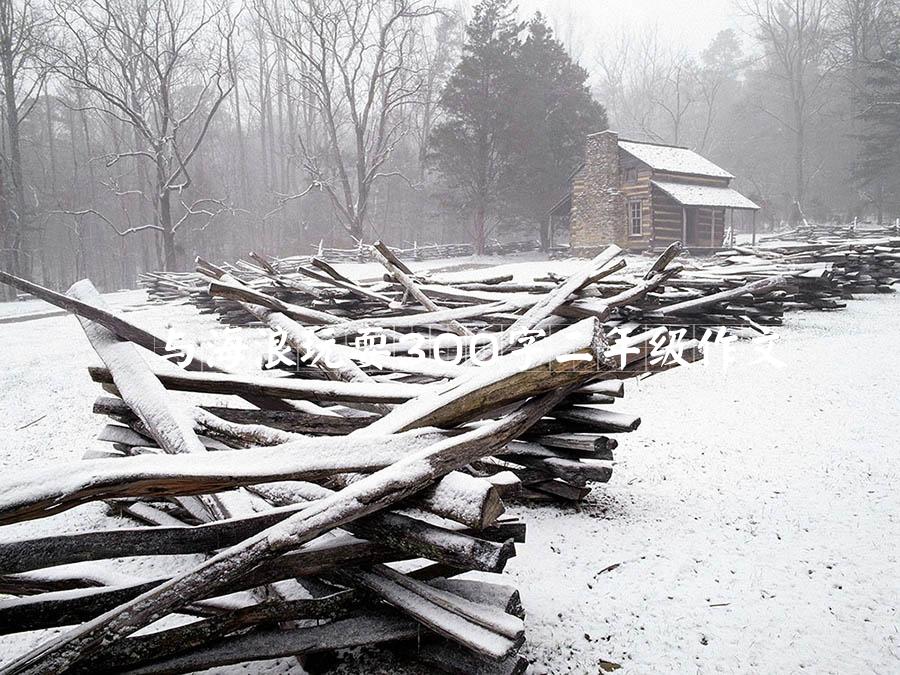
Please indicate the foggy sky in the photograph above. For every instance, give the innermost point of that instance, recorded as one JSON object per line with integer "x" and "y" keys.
{"x": 691, "y": 24}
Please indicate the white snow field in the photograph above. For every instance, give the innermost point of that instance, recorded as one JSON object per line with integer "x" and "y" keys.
{"x": 752, "y": 523}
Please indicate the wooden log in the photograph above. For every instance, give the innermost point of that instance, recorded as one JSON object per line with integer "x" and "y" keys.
{"x": 302, "y": 339}
{"x": 576, "y": 472}
{"x": 614, "y": 388}
{"x": 231, "y": 289}
{"x": 293, "y": 421}
{"x": 333, "y": 278}
{"x": 599, "y": 420}
{"x": 157, "y": 646}
{"x": 376, "y": 492}
{"x": 37, "y": 493}
{"x": 693, "y": 306}
{"x": 458, "y": 496}
{"x": 595, "y": 445}
{"x": 410, "y": 535}
{"x": 402, "y": 274}
{"x": 552, "y": 301}
{"x": 168, "y": 425}
{"x": 199, "y": 649}
{"x": 120, "y": 327}
{"x": 485, "y": 630}
{"x": 415, "y": 320}
{"x": 285, "y": 388}
{"x": 60, "y": 608}
{"x": 281, "y": 280}
{"x": 449, "y": 658}
{"x": 539, "y": 367}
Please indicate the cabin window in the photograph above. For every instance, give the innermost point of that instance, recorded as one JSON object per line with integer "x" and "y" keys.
{"x": 635, "y": 210}
{"x": 631, "y": 175}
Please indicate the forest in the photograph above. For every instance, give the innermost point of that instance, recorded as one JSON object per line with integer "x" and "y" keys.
{"x": 137, "y": 134}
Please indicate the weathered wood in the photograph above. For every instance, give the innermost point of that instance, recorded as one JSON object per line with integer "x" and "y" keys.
{"x": 305, "y": 341}
{"x": 534, "y": 369}
{"x": 61, "y": 608}
{"x": 600, "y": 420}
{"x": 199, "y": 648}
{"x": 286, "y": 388}
{"x": 373, "y": 493}
{"x": 546, "y": 305}
{"x": 693, "y": 306}
{"x": 485, "y": 630}
{"x": 458, "y": 496}
{"x": 231, "y": 289}
{"x": 295, "y": 421}
{"x": 410, "y": 535}
{"x": 595, "y": 445}
{"x": 168, "y": 425}
{"x": 403, "y": 276}
{"x": 119, "y": 326}
{"x": 37, "y": 493}
{"x": 157, "y": 646}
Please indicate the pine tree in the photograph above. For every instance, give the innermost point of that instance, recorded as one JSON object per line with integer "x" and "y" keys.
{"x": 878, "y": 167}
{"x": 516, "y": 114}
{"x": 472, "y": 146}
{"x": 554, "y": 113}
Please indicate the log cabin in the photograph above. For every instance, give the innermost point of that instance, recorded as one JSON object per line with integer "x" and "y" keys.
{"x": 644, "y": 196}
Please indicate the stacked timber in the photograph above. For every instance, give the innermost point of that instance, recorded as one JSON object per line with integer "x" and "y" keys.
{"x": 362, "y": 253}
{"x": 486, "y": 301}
{"x": 331, "y": 511}
{"x": 849, "y": 265}
{"x": 816, "y": 231}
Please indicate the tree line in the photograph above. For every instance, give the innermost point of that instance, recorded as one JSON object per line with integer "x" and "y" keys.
{"x": 138, "y": 133}
{"x": 806, "y": 115}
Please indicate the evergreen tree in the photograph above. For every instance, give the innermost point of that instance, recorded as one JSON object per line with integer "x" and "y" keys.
{"x": 516, "y": 113}
{"x": 473, "y": 144}
{"x": 554, "y": 112}
{"x": 878, "y": 167}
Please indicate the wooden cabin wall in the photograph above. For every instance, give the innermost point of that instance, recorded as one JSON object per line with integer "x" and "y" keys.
{"x": 667, "y": 215}
{"x": 710, "y": 227}
{"x": 667, "y": 219}
{"x": 640, "y": 189}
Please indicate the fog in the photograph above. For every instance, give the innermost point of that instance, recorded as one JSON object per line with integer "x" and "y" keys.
{"x": 185, "y": 128}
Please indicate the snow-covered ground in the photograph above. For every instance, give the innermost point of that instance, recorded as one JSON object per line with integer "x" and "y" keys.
{"x": 752, "y": 519}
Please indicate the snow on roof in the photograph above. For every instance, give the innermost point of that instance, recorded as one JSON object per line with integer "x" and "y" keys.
{"x": 674, "y": 159}
{"x": 705, "y": 195}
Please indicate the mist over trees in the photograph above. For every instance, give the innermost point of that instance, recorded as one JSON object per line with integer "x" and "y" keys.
{"x": 516, "y": 110}
{"x": 139, "y": 133}
{"x": 801, "y": 112}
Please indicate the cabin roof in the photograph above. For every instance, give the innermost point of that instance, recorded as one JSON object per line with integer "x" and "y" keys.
{"x": 672, "y": 158}
{"x": 705, "y": 195}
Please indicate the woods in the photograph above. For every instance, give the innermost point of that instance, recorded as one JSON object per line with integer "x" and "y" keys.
{"x": 137, "y": 135}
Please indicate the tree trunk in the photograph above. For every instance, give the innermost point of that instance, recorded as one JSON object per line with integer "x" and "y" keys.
{"x": 168, "y": 234}
{"x": 479, "y": 228}
{"x": 799, "y": 157}
{"x": 15, "y": 221}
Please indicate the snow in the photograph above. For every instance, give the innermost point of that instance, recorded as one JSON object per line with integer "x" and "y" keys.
{"x": 753, "y": 515}
{"x": 674, "y": 159}
{"x": 705, "y": 195}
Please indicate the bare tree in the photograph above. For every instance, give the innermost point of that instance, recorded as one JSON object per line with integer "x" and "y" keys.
{"x": 648, "y": 87}
{"x": 720, "y": 64}
{"x": 23, "y": 73}
{"x": 353, "y": 62}
{"x": 161, "y": 70}
{"x": 794, "y": 35}
{"x": 675, "y": 93}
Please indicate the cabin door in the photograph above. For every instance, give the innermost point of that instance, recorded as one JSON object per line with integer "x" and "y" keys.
{"x": 690, "y": 225}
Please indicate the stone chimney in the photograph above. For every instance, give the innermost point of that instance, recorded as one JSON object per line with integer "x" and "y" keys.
{"x": 598, "y": 207}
